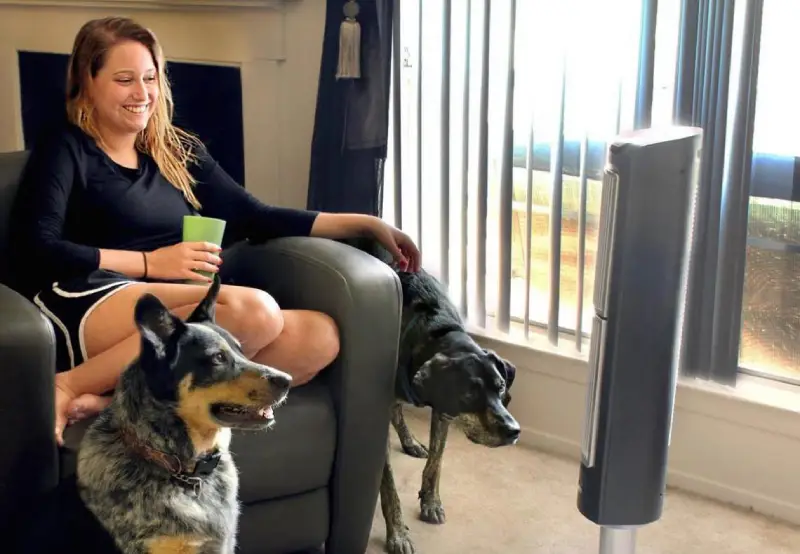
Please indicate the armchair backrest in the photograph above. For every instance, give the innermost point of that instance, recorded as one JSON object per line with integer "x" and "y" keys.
{"x": 12, "y": 164}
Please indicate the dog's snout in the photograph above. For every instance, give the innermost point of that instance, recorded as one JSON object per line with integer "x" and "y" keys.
{"x": 281, "y": 381}
{"x": 511, "y": 431}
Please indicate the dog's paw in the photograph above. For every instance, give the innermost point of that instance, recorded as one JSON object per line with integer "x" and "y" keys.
{"x": 432, "y": 511}
{"x": 400, "y": 543}
{"x": 415, "y": 449}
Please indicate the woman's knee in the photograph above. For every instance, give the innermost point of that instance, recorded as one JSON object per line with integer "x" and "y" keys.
{"x": 252, "y": 315}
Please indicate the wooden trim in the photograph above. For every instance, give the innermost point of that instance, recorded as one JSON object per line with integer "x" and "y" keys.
{"x": 152, "y": 5}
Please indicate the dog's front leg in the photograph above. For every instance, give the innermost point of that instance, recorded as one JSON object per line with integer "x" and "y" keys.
{"x": 398, "y": 540}
{"x": 429, "y": 501}
{"x": 410, "y": 444}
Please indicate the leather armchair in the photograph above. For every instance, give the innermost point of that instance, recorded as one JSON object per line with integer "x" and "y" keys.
{"x": 314, "y": 479}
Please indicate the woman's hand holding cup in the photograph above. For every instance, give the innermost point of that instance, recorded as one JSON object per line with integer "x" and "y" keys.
{"x": 184, "y": 261}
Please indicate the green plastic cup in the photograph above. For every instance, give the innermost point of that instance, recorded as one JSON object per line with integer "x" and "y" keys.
{"x": 197, "y": 228}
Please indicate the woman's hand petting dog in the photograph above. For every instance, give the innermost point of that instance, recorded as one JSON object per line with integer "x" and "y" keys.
{"x": 400, "y": 246}
{"x": 71, "y": 408}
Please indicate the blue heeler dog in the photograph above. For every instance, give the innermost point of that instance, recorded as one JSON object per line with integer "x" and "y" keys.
{"x": 154, "y": 468}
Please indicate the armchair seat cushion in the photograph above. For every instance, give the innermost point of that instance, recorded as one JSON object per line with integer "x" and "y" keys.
{"x": 294, "y": 457}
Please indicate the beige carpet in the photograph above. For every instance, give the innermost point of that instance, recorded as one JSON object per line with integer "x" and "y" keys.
{"x": 517, "y": 500}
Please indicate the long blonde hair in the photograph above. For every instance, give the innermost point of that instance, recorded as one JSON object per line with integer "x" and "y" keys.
{"x": 170, "y": 146}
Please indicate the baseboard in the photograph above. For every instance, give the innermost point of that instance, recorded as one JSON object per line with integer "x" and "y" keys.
{"x": 742, "y": 498}
{"x": 550, "y": 443}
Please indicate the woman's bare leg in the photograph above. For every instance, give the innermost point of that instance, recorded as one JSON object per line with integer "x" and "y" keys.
{"x": 308, "y": 343}
{"x": 300, "y": 342}
{"x": 296, "y": 341}
{"x": 251, "y": 315}
{"x": 111, "y": 323}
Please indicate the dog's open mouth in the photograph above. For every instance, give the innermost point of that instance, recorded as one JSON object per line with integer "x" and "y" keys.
{"x": 239, "y": 415}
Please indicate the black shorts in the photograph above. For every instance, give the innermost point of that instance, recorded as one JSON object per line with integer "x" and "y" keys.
{"x": 68, "y": 304}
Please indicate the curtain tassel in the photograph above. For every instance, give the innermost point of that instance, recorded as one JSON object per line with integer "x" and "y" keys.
{"x": 349, "y": 43}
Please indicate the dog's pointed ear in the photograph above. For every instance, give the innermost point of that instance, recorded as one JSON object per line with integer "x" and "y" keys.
{"x": 156, "y": 323}
{"x": 206, "y": 309}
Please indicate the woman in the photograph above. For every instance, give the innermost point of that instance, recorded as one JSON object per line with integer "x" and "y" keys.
{"x": 100, "y": 223}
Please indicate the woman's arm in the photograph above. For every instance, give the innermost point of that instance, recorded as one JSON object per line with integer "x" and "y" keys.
{"x": 45, "y": 193}
{"x": 40, "y": 212}
{"x": 224, "y": 198}
{"x": 126, "y": 262}
{"x": 248, "y": 217}
{"x": 342, "y": 226}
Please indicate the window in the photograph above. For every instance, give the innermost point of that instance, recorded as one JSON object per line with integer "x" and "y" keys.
{"x": 770, "y": 340}
{"x": 575, "y": 81}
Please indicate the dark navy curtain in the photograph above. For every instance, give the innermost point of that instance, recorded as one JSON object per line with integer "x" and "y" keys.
{"x": 349, "y": 144}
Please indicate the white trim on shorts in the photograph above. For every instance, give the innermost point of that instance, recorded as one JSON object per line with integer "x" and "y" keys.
{"x": 60, "y": 324}
{"x": 115, "y": 286}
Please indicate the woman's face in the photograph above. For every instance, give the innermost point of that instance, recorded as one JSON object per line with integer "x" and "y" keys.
{"x": 125, "y": 90}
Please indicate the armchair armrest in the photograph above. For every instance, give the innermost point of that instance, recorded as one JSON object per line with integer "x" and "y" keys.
{"x": 364, "y": 297}
{"x": 29, "y": 465}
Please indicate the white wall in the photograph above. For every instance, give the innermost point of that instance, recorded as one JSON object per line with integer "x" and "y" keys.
{"x": 277, "y": 47}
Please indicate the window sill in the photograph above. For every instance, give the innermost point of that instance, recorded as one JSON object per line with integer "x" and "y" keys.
{"x": 757, "y": 391}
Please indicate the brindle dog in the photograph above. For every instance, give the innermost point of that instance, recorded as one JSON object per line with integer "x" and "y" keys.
{"x": 154, "y": 468}
{"x": 440, "y": 366}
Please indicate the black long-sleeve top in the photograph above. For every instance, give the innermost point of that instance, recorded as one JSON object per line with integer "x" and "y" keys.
{"x": 74, "y": 200}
